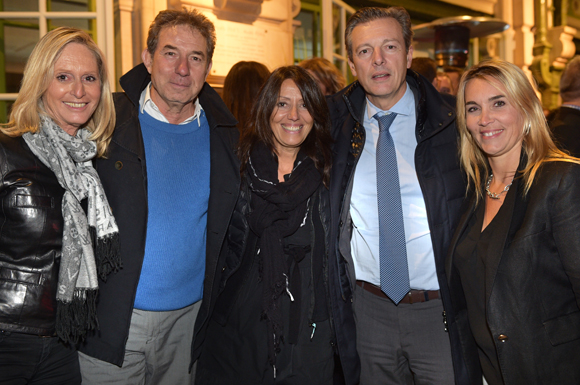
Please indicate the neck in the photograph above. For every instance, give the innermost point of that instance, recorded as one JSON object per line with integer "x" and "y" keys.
{"x": 175, "y": 113}
{"x": 385, "y": 103}
{"x": 286, "y": 160}
{"x": 504, "y": 170}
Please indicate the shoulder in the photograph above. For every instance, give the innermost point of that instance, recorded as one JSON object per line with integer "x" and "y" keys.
{"x": 557, "y": 176}
{"x": 11, "y": 145}
{"x": 349, "y": 100}
{"x": 215, "y": 109}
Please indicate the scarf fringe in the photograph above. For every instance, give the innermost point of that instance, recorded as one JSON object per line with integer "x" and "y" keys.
{"x": 107, "y": 253}
{"x": 74, "y": 319}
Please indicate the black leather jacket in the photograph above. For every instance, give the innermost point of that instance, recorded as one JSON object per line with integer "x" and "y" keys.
{"x": 30, "y": 240}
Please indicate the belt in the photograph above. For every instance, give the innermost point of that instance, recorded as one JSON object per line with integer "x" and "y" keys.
{"x": 414, "y": 296}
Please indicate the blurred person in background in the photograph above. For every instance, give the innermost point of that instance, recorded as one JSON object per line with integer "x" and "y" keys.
{"x": 328, "y": 77}
{"x": 565, "y": 124}
{"x": 241, "y": 89}
{"x": 454, "y": 74}
{"x": 425, "y": 66}
{"x": 443, "y": 84}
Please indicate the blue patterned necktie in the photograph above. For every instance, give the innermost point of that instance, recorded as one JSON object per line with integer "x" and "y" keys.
{"x": 393, "y": 249}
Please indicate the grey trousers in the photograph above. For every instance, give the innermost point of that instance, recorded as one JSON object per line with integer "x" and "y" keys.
{"x": 158, "y": 351}
{"x": 404, "y": 344}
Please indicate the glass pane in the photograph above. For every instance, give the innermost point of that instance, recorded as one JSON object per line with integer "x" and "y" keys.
{"x": 5, "y": 107}
{"x": 304, "y": 36}
{"x": 70, "y": 5}
{"x": 337, "y": 29}
{"x": 20, "y": 37}
{"x": 19, "y": 5}
{"x": 84, "y": 24}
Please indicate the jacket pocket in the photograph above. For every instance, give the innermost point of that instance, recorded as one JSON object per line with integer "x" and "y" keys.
{"x": 563, "y": 329}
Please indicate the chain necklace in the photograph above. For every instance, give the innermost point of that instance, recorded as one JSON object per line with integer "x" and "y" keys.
{"x": 494, "y": 195}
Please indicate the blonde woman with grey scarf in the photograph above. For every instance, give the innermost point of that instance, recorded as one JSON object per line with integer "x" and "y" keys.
{"x": 57, "y": 233}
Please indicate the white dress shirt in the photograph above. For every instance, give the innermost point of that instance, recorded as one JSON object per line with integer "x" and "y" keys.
{"x": 364, "y": 205}
{"x": 147, "y": 105}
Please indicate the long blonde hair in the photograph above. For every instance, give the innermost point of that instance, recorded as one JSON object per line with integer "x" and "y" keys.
{"x": 38, "y": 73}
{"x": 537, "y": 144}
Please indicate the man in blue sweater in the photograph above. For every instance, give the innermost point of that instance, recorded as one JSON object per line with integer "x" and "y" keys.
{"x": 172, "y": 180}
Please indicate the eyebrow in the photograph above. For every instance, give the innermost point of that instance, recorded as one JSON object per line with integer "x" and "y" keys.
{"x": 169, "y": 46}
{"x": 489, "y": 100}
{"x": 387, "y": 40}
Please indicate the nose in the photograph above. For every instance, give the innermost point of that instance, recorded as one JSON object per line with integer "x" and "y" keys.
{"x": 78, "y": 89}
{"x": 485, "y": 117}
{"x": 378, "y": 58}
{"x": 182, "y": 67}
{"x": 293, "y": 114}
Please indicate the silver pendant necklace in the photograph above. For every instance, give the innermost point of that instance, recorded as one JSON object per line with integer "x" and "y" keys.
{"x": 494, "y": 195}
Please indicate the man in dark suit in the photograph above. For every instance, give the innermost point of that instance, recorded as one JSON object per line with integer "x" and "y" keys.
{"x": 566, "y": 123}
{"x": 404, "y": 333}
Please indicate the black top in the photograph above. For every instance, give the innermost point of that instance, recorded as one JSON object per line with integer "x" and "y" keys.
{"x": 470, "y": 261}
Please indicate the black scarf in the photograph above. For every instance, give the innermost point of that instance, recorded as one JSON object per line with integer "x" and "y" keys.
{"x": 278, "y": 209}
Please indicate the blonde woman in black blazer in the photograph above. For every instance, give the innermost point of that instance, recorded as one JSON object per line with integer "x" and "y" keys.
{"x": 514, "y": 262}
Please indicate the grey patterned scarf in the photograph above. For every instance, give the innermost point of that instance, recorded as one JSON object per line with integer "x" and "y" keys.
{"x": 90, "y": 243}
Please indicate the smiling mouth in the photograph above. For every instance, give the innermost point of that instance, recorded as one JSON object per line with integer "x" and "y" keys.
{"x": 491, "y": 133}
{"x": 380, "y": 76}
{"x": 292, "y": 128}
{"x": 75, "y": 105}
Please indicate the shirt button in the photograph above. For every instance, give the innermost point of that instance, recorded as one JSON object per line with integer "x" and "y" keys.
{"x": 118, "y": 165}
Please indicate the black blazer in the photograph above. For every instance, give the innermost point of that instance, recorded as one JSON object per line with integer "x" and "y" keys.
{"x": 532, "y": 280}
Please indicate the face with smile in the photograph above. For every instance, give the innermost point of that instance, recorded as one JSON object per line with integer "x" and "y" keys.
{"x": 380, "y": 60}
{"x": 178, "y": 68}
{"x": 493, "y": 120}
{"x": 290, "y": 120}
{"x": 74, "y": 91}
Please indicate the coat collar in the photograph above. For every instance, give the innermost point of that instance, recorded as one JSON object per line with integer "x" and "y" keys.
{"x": 432, "y": 111}
{"x": 135, "y": 81}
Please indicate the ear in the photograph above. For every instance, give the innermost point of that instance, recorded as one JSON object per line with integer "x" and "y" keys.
{"x": 208, "y": 70}
{"x": 147, "y": 59}
{"x": 352, "y": 67}
{"x": 410, "y": 57}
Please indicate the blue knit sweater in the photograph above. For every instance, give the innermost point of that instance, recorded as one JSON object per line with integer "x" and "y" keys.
{"x": 178, "y": 166}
